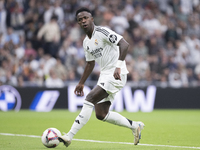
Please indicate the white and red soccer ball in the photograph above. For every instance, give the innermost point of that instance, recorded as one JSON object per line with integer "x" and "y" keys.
{"x": 50, "y": 137}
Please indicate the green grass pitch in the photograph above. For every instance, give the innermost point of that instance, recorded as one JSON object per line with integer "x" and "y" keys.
{"x": 164, "y": 129}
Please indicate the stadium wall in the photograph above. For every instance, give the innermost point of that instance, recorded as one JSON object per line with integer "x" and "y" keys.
{"x": 129, "y": 98}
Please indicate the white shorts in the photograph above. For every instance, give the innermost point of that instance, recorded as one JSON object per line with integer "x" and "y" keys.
{"x": 111, "y": 85}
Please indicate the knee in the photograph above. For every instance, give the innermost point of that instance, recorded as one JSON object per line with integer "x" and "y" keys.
{"x": 100, "y": 116}
{"x": 90, "y": 98}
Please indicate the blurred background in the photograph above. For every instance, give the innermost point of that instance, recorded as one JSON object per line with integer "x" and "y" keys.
{"x": 41, "y": 42}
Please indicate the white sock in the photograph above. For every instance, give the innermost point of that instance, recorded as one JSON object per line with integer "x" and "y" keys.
{"x": 81, "y": 119}
{"x": 117, "y": 119}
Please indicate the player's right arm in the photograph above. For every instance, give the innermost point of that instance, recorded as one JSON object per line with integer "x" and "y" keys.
{"x": 88, "y": 69}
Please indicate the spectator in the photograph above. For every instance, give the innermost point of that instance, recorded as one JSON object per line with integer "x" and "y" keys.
{"x": 171, "y": 33}
{"x": 75, "y": 33}
{"x": 193, "y": 45}
{"x": 163, "y": 63}
{"x": 47, "y": 62}
{"x": 20, "y": 81}
{"x": 193, "y": 25}
{"x": 140, "y": 50}
{"x": 163, "y": 5}
{"x": 175, "y": 80}
{"x": 168, "y": 29}
{"x": 53, "y": 81}
{"x": 80, "y": 68}
{"x": 11, "y": 78}
{"x": 182, "y": 53}
{"x": 119, "y": 22}
{"x": 98, "y": 18}
{"x": 136, "y": 35}
{"x": 178, "y": 78}
{"x": 80, "y": 51}
{"x": 163, "y": 81}
{"x": 138, "y": 13}
{"x": 51, "y": 33}
{"x": 68, "y": 53}
{"x": 175, "y": 4}
{"x": 132, "y": 23}
{"x": 48, "y": 12}
{"x": 170, "y": 50}
{"x": 61, "y": 70}
{"x": 153, "y": 46}
{"x": 129, "y": 9}
{"x": 3, "y": 15}
{"x": 11, "y": 36}
{"x": 186, "y": 6}
{"x": 150, "y": 23}
{"x": 2, "y": 40}
{"x": 3, "y": 71}
{"x": 58, "y": 11}
{"x": 29, "y": 51}
{"x": 17, "y": 19}
{"x": 71, "y": 76}
{"x": 190, "y": 76}
{"x": 142, "y": 67}
{"x": 19, "y": 51}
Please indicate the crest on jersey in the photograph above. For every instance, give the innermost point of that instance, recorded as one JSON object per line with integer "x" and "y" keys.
{"x": 112, "y": 38}
{"x": 96, "y": 42}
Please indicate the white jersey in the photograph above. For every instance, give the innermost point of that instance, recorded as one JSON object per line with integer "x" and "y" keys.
{"x": 102, "y": 47}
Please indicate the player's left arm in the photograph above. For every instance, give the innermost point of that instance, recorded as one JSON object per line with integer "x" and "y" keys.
{"x": 123, "y": 49}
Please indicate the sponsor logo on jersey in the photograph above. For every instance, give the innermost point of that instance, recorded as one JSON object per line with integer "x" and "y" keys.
{"x": 112, "y": 38}
{"x": 97, "y": 52}
{"x": 9, "y": 98}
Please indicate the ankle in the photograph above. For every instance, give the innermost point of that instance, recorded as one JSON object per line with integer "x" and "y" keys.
{"x": 70, "y": 135}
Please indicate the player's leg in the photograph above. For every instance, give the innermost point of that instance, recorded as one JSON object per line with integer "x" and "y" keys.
{"x": 102, "y": 109}
{"x": 103, "y": 113}
{"x": 95, "y": 95}
{"x": 112, "y": 86}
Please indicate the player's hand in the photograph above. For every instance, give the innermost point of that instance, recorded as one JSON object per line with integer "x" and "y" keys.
{"x": 79, "y": 90}
{"x": 117, "y": 74}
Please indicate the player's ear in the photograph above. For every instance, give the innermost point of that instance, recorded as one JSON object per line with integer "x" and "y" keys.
{"x": 92, "y": 19}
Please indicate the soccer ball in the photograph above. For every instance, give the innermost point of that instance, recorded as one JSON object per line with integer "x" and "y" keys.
{"x": 50, "y": 137}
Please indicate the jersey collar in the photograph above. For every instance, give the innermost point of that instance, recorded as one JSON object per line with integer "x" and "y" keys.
{"x": 94, "y": 30}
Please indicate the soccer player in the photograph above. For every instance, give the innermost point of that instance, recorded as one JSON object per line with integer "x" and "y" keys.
{"x": 109, "y": 50}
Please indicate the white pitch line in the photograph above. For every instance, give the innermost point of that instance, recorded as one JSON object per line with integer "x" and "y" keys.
{"x": 95, "y": 141}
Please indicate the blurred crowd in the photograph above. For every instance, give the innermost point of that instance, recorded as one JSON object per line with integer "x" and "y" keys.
{"x": 41, "y": 42}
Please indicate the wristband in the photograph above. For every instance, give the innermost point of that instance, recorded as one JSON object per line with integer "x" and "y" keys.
{"x": 119, "y": 63}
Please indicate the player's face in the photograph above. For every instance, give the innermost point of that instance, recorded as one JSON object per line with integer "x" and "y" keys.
{"x": 85, "y": 20}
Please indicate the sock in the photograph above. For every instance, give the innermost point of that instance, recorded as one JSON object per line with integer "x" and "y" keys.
{"x": 81, "y": 119}
{"x": 117, "y": 119}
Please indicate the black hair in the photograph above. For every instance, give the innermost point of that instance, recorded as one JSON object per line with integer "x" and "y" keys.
{"x": 83, "y": 9}
{"x": 54, "y": 16}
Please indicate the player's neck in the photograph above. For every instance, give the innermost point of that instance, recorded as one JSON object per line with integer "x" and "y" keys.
{"x": 89, "y": 33}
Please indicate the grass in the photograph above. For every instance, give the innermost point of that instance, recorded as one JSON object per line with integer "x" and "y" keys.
{"x": 163, "y": 127}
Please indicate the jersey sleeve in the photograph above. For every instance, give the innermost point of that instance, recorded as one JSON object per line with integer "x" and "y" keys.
{"x": 111, "y": 36}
